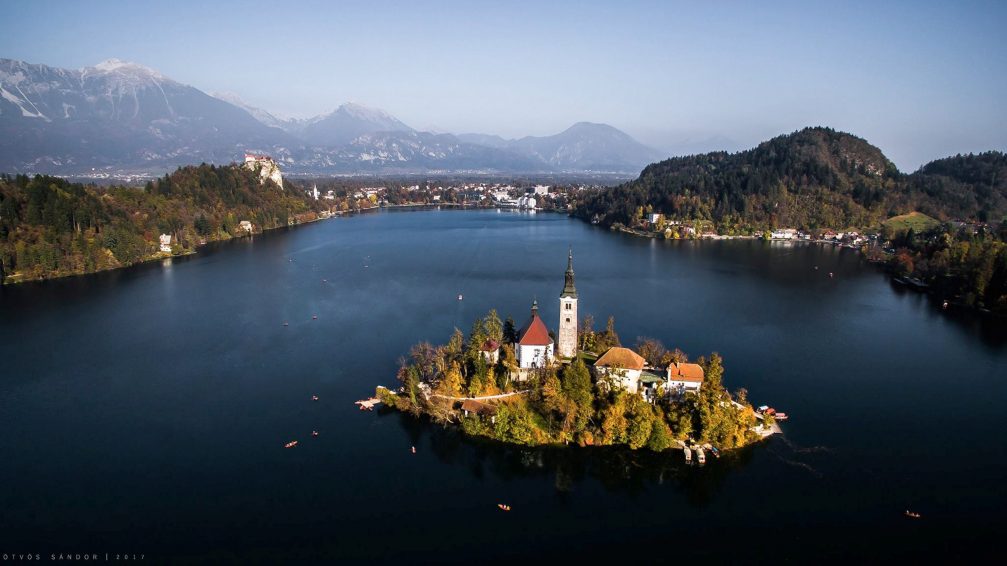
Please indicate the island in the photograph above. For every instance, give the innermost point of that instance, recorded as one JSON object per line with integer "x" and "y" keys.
{"x": 526, "y": 386}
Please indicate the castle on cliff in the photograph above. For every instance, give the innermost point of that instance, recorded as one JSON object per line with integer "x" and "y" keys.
{"x": 268, "y": 169}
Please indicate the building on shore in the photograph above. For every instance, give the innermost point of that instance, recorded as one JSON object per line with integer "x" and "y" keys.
{"x": 165, "y": 243}
{"x": 684, "y": 377}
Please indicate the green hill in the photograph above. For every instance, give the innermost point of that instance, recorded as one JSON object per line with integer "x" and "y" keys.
{"x": 813, "y": 179}
{"x": 50, "y": 227}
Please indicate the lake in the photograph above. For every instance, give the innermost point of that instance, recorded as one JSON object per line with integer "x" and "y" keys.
{"x": 145, "y": 410}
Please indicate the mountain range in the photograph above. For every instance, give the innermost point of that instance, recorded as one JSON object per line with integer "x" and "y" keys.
{"x": 123, "y": 117}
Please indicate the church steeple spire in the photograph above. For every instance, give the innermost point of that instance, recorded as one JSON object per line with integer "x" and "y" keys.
{"x": 569, "y": 290}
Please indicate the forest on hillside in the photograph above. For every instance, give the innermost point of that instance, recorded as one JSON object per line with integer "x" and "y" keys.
{"x": 813, "y": 179}
{"x": 50, "y": 227}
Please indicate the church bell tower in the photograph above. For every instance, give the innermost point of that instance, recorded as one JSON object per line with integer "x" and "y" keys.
{"x": 567, "y": 347}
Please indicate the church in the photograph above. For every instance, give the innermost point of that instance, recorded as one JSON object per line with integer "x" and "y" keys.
{"x": 534, "y": 347}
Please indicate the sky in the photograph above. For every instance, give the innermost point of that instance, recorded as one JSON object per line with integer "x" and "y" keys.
{"x": 919, "y": 79}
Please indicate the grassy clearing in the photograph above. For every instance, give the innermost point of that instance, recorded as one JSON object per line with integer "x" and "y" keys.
{"x": 918, "y": 221}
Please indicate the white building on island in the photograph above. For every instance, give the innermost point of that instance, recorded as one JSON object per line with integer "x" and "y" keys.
{"x": 622, "y": 366}
{"x": 166, "y": 243}
{"x": 684, "y": 377}
{"x": 534, "y": 348}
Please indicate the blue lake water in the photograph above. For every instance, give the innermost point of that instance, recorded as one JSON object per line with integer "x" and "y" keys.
{"x": 145, "y": 410}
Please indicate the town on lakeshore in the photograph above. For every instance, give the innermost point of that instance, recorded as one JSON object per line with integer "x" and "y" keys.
{"x": 530, "y": 386}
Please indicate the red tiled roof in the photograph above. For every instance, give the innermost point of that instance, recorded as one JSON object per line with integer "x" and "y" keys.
{"x": 490, "y": 346}
{"x": 534, "y": 333}
{"x": 685, "y": 372}
{"x": 473, "y": 406}
{"x": 623, "y": 358}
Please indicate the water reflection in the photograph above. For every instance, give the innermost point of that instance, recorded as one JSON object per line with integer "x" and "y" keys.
{"x": 619, "y": 470}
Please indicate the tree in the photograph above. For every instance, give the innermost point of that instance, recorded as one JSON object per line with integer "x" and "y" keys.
{"x": 509, "y": 331}
{"x": 614, "y": 424}
{"x": 492, "y": 326}
{"x": 640, "y": 422}
{"x": 456, "y": 343}
{"x": 586, "y": 335}
{"x": 451, "y": 384}
{"x": 651, "y": 350}
{"x": 609, "y": 338}
{"x": 578, "y": 389}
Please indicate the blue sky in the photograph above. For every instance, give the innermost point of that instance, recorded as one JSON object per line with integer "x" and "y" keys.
{"x": 921, "y": 80}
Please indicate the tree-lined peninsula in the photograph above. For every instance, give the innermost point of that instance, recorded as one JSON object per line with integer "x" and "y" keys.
{"x": 50, "y": 227}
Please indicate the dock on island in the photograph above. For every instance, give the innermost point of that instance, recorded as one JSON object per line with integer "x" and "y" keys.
{"x": 367, "y": 404}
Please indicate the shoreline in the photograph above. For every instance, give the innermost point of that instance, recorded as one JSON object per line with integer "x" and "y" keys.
{"x": 926, "y": 289}
{"x": 159, "y": 256}
{"x": 386, "y": 395}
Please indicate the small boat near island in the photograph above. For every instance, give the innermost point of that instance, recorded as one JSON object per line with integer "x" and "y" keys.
{"x": 367, "y": 404}
{"x": 460, "y": 296}
{"x": 700, "y": 456}
{"x": 688, "y": 454}
{"x": 314, "y": 397}
{"x": 503, "y": 507}
{"x": 290, "y": 444}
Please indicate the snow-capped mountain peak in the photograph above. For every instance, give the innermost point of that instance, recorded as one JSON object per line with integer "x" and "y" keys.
{"x": 125, "y": 68}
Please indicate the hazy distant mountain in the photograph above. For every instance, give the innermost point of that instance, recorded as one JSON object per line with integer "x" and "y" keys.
{"x": 486, "y": 140}
{"x": 583, "y": 147}
{"x": 119, "y": 116}
{"x": 115, "y": 113}
{"x": 257, "y": 113}
{"x": 346, "y": 123}
{"x": 412, "y": 152}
